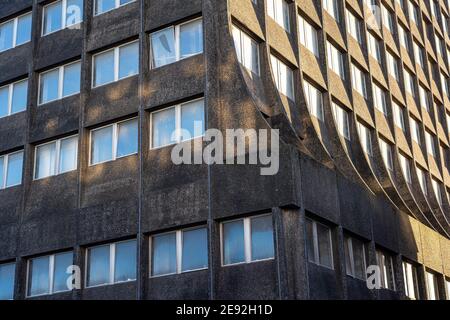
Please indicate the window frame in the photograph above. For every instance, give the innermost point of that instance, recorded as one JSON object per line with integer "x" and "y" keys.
{"x": 316, "y": 258}
{"x": 381, "y": 265}
{"x": 348, "y": 242}
{"x": 437, "y": 295}
{"x": 241, "y": 59}
{"x": 4, "y": 264}
{"x": 117, "y": 5}
{"x": 276, "y": 79}
{"x": 11, "y": 95}
{"x": 5, "y": 169}
{"x": 304, "y": 40}
{"x": 414, "y": 280}
{"x": 63, "y": 17}
{"x": 15, "y": 28}
{"x": 343, "y": 128}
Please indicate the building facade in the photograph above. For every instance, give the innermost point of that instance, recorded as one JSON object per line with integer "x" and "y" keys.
{"x": 91, "y": 92}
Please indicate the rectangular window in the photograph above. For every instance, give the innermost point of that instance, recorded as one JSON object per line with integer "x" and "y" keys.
{"x": 247, "y": 50}
{"x": 13, "y": 98}
{"x": 437, "y": 190}
{"x": 429, "y": 141}
{"x": 111, "y": 263}
{"x": 48, "y": 274}
{"x": 432, "y": 286}
{"x": 114, "y": 141}
{"x": 331, "y": 6}
{"x": 365, "y": 138}
{"x": 115, "y": 64}
{"x": 419, "y": 55}
{"x": 247, "y": 240}
{"x": 386, "y": 153}
{"x": 405, "y": 164}
{"x": 354, "y": 26}
{"x": 379, "y": 96}
{"x": 335, "y": 60}
{"x": 56, "y": 157}
{"x": 278, "y": 10}
{"x": 60, "y": 82}
{"x": 308, "y": 36}
{"x": 413, "y": 13}
{"x": 403, "y": 35}
{"x": 15, "y": 32}
{"x": 61, "y": 14}
{"x": 444, "y": 85}
{"x": 314, "y": 100}
{"x": 179, "y": 251}
{"x": 355, "y": 257}
{"x": 409, "y": 83}
{"x": 422, "y": 180}
{"x": 177, "y": 123}
{"x": 399, "y": 118}
{"x": 374, "y": 47}
{"x": 176, "y": 42}
{"x": 7, "y": 275}
{"x": 341, "y": 119}
{"x": 320, "y": 244}
{"x": 11, "y": 169}
{"x": 423, "y": 96}
{"x": 415, "y": 130}
{"x": 385, "y": 262}
{"x": 102, "y": 6}
{"x": 411, "y": 281}
{"x": 387, "y": 18}
{"x": 283, "y": 76}
{"x": 392, "y": 65}
{"x": 359, "y": 80}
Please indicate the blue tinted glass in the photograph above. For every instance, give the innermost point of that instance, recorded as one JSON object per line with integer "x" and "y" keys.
{"x": 195, "y": 249}
{"x": 49, "y": 86}
{"x": 125, "y": 264}
{"x": 72, "y": 78}
{"x": 2, "y": 169}
{"x": 98, "y": 266}
{"x": 23, "y": 29}
{"x": 129, "y": 60}
{"x": 104, "y": 68}
{"x": 163, "y": 127}
{"x": 74, "y": 12}
{"x": 163, "y": 47}
{"x": 68, "y": 154}
{"x": 7, "y": 273}
{"x": 164, "y": 259}
{"x": 6, "y": 35}
{"x": 19, "y": 98}
{"x": 60, "y": 276}
{"x": 14, "y": 172}
{"x": 125, "y": 1}
{"x": 39, "y": 275}
{"x": 53, "y": 17}
{"x": 191, "y": 39}
{"x": 233, "y": 242}
{"x": 104, "y": 5}
{"x": 102, "y": 145}
{"x": 192, "y": 119}
{"x": 4, "y": 97}
{"x": 128, "y": 138}
{"x": 262, "y": 238}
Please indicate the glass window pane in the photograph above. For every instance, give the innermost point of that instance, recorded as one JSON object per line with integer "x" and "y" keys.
{"x": 127, "y": 138}
{"x": 192, "y": 119}
{"x": 262, "y": 238}
{"x": 45, "y": 160}
{"x": 310, "y": 241}
{"x": 14, "y": 172}
{"x": 4, "y": 101}
{"x": 129, "y": 60}
{"x": 323, "y": 236}
{"x": 68, "y": 154}
{"x": 163, "y": 47}
{"x": 233, "y": 242}
{"x": 98, "y": 266}
{"x": 104, "y": 5}
{"x": 23, "y": 29}
{"x": 347, "y": 253}
{"x": 74, "y": 13}
{"x": 39, "y": 276}
{"x": 2, "y": 170}
{"x": 164, "y": 258}
{"x": 104, "y": 68}
{"x": 6, "y": 35}
{"x": 60, "y": 276}
{"x": 163, "y": 127}
{"x": 191, "y": 38}
{"x": 125, "y": 264}
{"x": 52, "y": 17}
{"x": 195, "y": 249}
{"x": 237, "y": 43}
{"x": 101, "y": 148}
{"x": 7, "y": 274}
{"x": 19, "y": 98}
{"x": 358, "y": 256}
{"x": 49, "y": 86}
{"x": 72, "y": 79}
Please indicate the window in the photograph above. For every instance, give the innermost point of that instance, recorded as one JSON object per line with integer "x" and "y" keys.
{"x": 429, "y": 140}
{"x": 423, "y": 96}
{"x": 13, "y": 98}
{"x": 422, "y": 180}
{"x": 278, "y": 10}
{"x": 415, "y": 130}
{"x": 335, "y": 60}
{"x": 386, "y": 264}
{"x": 247, "y": 50}
{"x": 379, "y": 100}
{"x": 386, "y": 153}
{"x": 60, "y": 82}
{"x": 15, "y": 32}
{"x": 374, "y": 47}
{"x": 176, "y": 43}
{"x": 399, "y": 118}
{"x": 341, "y": 119}
{"x": 409, "y": 83}
{"x": 444, "y": 85}
{"x": 355, "y": 257}
{"x": 111, "y": 263}
{"x": 47, "y": 274}
{"x": 419, "y": 55}
{"x": 114, "y": 141}
{"x": 247, "y": 240}
{"x": 359, "y": 80}
{"x": 7, "y": 275}
{"x": 11, "y": 169}
{"x": 447, "y": 285}
{"x": 410, "y": 280}
{"x": 413, "y": 13}
{"x": 320, "y": 244}
{"x": 387, "y": 19}
{"x": 314, "y": 100}
{"x": 354, "y": 26}
{"x": 392, "y": 65}
{"x": 405, "y": 164}
{"x": 177, "y": 123}
{"x": 308, "y": 36}
{"x": 364, "y": 137}
{"x": 432, "y": 286}
{"x": 102, "y": 6}
{"x": 179, "y": 251}
{"x": 283, "y": 76}
{"x": 116, "y": 64}
{"x": 56, "y": 157}
{"x": 437, "y": 190}
{"x": 62, "y": 14}
{"x": 331, "y": 6}
{"x": 403, "y": 35}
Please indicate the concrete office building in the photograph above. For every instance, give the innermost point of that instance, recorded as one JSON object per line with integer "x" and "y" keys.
{"x": 90, "y": 92}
